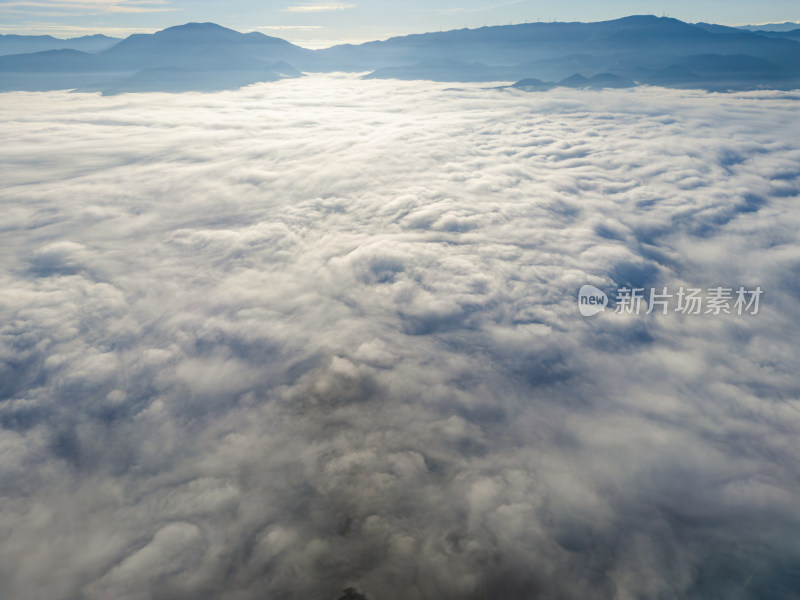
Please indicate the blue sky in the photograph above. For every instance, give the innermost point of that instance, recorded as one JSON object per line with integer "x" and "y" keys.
{"x": 317, "y": 23}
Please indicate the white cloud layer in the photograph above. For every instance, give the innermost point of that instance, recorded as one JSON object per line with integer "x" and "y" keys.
{"x": 318, "y": 333}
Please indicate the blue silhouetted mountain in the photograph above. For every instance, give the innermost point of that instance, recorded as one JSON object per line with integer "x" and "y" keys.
{"x": 794, "y": 34}
{"x": 23, "y": 44}
{"x": 723, "y": 29}
{"x": 576, "y": 81}
{"x": 639, "y": 48}
{"x": 644, "y": 49}
{"x": 720, "y": 73}
{"x": 49, "y": 61}
{"x": 195, "y": 56}
{"x": 534, "y": 85}
{"x": 610, "y": 80}
{"x": 517, "y": 44}
{"x": 201, "y": 46}
{"x": 785, "y": 26}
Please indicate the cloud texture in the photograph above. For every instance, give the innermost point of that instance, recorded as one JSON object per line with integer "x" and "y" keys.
{"x": 323, "y": 333}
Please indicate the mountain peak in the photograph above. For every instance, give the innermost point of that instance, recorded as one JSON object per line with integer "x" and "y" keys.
{"x": 639, "y": 19}
{"x": 577, "y": 80}
{"x": 207, "y": 30}
{"x": 207, "y": 26}
{"x": 648, "y": 20}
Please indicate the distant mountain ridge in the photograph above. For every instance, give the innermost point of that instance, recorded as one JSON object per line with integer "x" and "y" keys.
{"x": 18, "y": 44}
{"x": 190, "y": 57}
{"x": 515, "y": 44}
{"x": 785, "y": 26}
{"x": 644, "y": 49}
{"x": 641, "y": 49}
{"x": 577, "y": 81}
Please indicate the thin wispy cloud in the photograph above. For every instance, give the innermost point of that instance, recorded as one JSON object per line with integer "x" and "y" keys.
{"x": 316, "y": 8}
{"x": 470, "y": 9}
{"x": 66, "y": 7}
{"x": 292, "y": 27}
{"x": 59, "y": 29}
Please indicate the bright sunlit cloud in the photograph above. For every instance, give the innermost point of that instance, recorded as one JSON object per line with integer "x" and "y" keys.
{"x": 315, "y": 8}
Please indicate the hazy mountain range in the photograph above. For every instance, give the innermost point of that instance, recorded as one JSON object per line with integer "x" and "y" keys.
{"x": 19, "y": 44}
{"x": 785, "y": 26}
{"x": 204, "y": 56}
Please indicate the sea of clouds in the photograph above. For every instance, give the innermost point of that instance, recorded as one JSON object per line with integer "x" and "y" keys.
{"x": 272, "y": 343}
